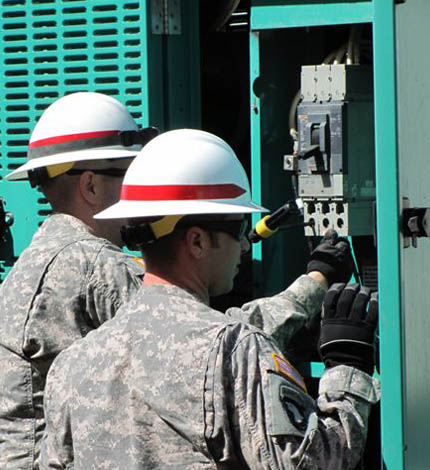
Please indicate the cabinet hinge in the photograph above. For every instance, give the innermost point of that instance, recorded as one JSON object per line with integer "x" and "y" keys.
{"x": 166, "y": 17}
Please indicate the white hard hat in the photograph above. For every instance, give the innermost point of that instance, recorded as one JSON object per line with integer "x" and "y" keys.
{"x": 187, "y": 172}
{"x": 80, "y": 127}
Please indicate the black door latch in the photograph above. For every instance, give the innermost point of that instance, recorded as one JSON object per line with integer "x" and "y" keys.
{"x": 415, "y": 223}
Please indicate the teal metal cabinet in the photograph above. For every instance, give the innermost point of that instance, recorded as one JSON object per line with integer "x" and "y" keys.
{"x": 143, "y": 52}
{"x": 401, "y": 69}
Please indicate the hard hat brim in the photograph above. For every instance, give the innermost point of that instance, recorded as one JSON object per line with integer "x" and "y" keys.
{"x": 80, "y": 155}
{"x": 136, "y": 209}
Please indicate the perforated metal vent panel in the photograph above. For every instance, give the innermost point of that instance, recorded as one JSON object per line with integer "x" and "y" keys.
{"x": 50, "y": 48}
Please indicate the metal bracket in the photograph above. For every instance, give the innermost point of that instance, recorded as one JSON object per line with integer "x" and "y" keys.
{"x": 6, "y": 218}
{"x": 166, "y": 17}
{"x": 291, "y": 163}
{"x": 415, "y": 223}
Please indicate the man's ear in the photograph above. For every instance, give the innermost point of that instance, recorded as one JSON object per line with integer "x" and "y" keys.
{"x": 88, "y": 187}
{"x": 198, "y": 242}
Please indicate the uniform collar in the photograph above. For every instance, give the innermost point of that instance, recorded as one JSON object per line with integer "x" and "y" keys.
{"x": 169, "y": 290}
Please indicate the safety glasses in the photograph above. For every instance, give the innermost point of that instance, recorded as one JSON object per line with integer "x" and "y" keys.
{"x": 112, "y": 172}
{"x": 236, "y": 228}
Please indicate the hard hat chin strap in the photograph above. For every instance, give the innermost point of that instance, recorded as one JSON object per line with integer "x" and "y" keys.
{"x": 38, "y": 176}
{"x": 145, "y": 233}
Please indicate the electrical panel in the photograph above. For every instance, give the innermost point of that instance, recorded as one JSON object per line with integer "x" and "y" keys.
{"x": 334, "y": 161}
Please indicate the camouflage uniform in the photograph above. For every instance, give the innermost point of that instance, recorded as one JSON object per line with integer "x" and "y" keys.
{"x": 172, "y": 383}
{"x": 66, "y": 283}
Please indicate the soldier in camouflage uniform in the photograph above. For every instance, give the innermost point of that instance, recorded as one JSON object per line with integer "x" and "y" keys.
{"x": 73, "y": 276}
{"x": 172, "y": 383}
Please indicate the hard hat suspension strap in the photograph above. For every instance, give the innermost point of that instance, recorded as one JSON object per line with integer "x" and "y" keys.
{"x": 89, "y": 140}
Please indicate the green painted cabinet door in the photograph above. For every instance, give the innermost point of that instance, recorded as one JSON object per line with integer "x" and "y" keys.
{"x": 413, "y": 127}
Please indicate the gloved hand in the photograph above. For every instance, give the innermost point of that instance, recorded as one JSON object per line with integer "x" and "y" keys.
{"x": 348, "y": 327}
{"x": 332, "y": 258}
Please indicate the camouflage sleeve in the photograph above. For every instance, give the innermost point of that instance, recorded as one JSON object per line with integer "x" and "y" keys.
{"x": 273, "y": 423}
{"x": 56, "y": 450}
{"x": 282, "y": 315}
{"x": 115, "y": 278}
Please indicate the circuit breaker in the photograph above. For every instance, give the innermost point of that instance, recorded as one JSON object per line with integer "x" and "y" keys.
{"x": 335, "y": 157}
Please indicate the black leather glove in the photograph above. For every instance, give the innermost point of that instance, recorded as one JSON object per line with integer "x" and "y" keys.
{"x": 332, "y": 258}
{"x": 348, "y": 327}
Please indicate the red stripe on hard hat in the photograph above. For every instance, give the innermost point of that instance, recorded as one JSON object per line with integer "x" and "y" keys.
{"x": 62, "y": 139}
{"x": 180, "y": 192}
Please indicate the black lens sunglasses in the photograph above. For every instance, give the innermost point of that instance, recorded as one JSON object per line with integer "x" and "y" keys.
{"x": 112, "y": 172}
{"x": 236, "y": 228}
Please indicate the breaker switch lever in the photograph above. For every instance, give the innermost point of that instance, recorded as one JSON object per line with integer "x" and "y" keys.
{"x": 312, "y": 151}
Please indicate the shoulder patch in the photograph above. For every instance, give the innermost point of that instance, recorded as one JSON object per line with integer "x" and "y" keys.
{"x": 284, "y": 367}
{"x": 140, "y": 262}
